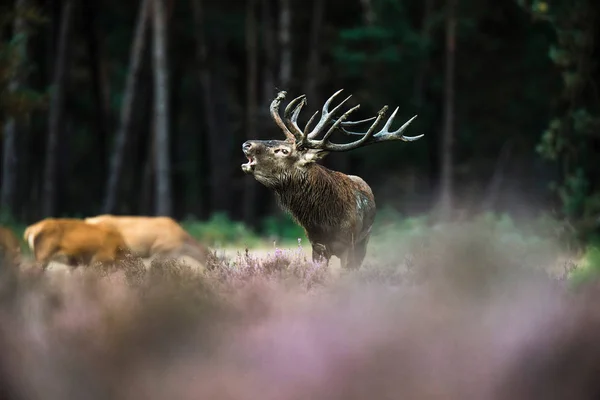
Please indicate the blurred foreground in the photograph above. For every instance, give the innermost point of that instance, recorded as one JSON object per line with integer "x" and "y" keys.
{"x": 460, "y": 313}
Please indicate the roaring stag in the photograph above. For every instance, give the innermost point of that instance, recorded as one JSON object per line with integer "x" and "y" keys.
{"x": 336, "y": 210}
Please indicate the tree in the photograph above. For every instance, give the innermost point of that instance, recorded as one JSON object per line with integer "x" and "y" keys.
{"x": 55, "y": 121}
{"x": 426, "y": 27}
{"x": 161, "y": 110}
{"x": 251, "y": 98}
{"x": 571, "y": 140}
{"x": 285, "y": 46}
{"x": 447, "y": 143}
{"x": 312, "y": 69}
{"x": 129, "y": 97}
{"x": 218, "y": 178}
{"x": 269, "y": 66}
{"x": 10, "y": 134}
{"x": 98, "y": 79}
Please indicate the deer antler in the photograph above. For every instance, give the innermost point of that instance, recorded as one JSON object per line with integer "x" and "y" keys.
{"x": 274, "y": 108}
{"x": 304, "y": 138}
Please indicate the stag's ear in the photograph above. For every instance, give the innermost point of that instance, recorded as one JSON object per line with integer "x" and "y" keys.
{"x": 312, "y": 155}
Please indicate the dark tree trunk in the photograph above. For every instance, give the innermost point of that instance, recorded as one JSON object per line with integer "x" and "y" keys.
{"x": 98, "y": 84}
{"x": 55, "y": 122}
{"x": 270, "y": 63}
{"x": 129, "y": 98}
{"x": 14, "y": 125}
{"x": 422, "y": 73}
{"x": 163, "y": 201}
{"x": 219, "y": 185}
{"x": 249, "y": 204}
{"x": 312, "y": 69}
{"x": 369, "y": 15}
{"x": 285, "y": 45}
{"x": 447, "y": 143}
{"x": 147, "y": 199}
{"x": 495, "y": 185}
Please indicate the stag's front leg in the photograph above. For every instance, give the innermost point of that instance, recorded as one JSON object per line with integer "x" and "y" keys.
{"x": 320, "y": 253}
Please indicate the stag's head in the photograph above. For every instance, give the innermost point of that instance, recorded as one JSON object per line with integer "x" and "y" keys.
{"x": 271, "y": 161}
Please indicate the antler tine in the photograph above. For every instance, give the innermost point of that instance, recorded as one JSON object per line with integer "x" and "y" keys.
{"x": 274, "y": 109}
{"x": 292, "y": 104}
{"x": 365, "y": 139}
{"x": 326, "y": 114}
{"x": 338, "y": 122}
{"x": 292, "y": 123}
{"x": 310, "y": 121}
{"x": 385, "y": 134}
{"x": 370, "y": 137}
{"x": 352, "y": 123}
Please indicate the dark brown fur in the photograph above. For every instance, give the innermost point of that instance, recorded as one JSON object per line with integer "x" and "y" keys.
{"x": 336, "y": 210}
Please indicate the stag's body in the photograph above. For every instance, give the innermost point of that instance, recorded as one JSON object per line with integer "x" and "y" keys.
{"x": 336, "y": 210}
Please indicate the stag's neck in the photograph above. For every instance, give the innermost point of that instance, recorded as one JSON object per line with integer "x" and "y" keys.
{"x": 317, "y": 198}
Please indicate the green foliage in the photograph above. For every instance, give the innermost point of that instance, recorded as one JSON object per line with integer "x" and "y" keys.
{"x": 394, "y": 234}
{"x": 569, "y": 139}
{"x": 588, "y": 268}
{"x": 390, "y": 41}
{"x": 282, "y": 228}
{"x": 221, "y": 231}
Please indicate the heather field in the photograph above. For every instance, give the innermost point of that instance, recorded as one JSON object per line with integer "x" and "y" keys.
{"x": 477, "y": 309}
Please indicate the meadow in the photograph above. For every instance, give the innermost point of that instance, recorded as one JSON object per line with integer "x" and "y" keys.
{"x": 484, "y": 308}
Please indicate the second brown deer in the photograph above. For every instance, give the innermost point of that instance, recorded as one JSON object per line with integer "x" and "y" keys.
{"x": 336, "y": 210}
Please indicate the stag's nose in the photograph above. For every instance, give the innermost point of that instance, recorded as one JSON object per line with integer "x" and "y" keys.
{"x": 246, "y": 146}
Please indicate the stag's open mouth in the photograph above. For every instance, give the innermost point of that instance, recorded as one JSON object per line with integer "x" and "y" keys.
{"x": 249, "y": 166}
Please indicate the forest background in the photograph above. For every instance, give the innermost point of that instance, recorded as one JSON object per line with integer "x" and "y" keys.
{"x": 141, "y": 107}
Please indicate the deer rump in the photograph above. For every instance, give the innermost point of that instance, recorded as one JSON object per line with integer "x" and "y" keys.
{"x": 77, "y": 242}
{"x": 153, "y": 236}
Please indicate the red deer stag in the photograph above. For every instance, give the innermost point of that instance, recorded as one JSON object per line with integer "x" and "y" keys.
{"x": 335, "y": 210}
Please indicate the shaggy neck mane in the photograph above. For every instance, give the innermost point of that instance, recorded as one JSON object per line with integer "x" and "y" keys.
{"x": 316, "y": 196}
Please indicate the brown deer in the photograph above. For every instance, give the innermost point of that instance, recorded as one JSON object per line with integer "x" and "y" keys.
{"x": 153, "y": 236}
{"x": 75, "y": 241}
{"x": 336, "y": 210}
